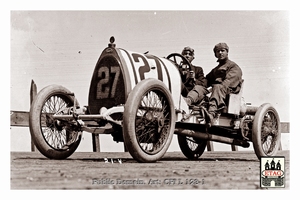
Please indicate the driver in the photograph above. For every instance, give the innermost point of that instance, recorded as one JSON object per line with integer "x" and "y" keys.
{"x": 193, "y": 80}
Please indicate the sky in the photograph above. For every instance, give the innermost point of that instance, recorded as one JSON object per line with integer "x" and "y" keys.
{"x": 62, "y": 47}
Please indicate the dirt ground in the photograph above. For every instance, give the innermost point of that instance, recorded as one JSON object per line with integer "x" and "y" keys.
{"x": 107, "y": 170}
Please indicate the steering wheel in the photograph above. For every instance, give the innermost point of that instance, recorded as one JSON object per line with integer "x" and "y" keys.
{"x": 179, "y": 59}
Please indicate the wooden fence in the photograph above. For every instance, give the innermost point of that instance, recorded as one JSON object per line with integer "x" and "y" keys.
{"x": 21, "y": 119}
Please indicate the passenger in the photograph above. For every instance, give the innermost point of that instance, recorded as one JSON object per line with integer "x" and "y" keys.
{"x": 193, "y": 80}
{"x": 226, "y": 78}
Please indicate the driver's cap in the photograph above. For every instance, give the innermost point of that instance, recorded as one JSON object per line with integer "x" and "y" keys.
{"x": 188, "y": 49}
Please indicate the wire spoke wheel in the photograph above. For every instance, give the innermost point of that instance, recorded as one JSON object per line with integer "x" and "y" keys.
{"x": 269, "y": 133}
{"x": 55, "y": 139}
{"x": 152, "y": 122}
{"x": 55, "y": 132}
{"x": 266, "y": 131}
{"x": 192, "y": 148}
{"x": 148, "y": 121}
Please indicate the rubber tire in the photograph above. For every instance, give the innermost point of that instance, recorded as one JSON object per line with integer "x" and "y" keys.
{"x": 256, "y": 130}
{"x": 187, "y": 151}
{"x": 35, "y": 122}
{"x": 129, "y": 117}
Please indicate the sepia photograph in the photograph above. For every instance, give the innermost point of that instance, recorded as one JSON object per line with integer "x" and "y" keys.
{"x": 150, "y": 100}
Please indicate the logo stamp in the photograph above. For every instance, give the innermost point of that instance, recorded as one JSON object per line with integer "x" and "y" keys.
{"x": 272, "y": 172}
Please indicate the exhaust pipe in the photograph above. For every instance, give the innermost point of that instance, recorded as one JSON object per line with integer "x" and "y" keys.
{"x": 211, "y": 137}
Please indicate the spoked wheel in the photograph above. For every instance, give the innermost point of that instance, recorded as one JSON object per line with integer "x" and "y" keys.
{"x": 190, "y": 147}
{"x": 148, "y": 121}
{"x": 266, "y": 131}
{"x": 55, "y": 139}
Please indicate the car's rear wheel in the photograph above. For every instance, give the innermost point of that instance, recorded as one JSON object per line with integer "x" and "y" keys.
{"x": 192, "y": 148}
{"x": 266, "y": 131}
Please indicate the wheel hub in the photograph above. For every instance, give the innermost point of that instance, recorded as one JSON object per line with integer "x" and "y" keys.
{"x": 58, "y": 125}
{"x": 160, "y": 122}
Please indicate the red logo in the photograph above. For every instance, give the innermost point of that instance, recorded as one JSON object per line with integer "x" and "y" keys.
{"x": 273, "y": 173}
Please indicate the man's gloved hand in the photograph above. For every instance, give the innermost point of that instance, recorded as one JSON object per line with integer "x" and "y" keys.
{"x": 190, "y": 78}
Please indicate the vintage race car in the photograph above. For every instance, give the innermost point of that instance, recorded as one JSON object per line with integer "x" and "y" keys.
{"x": 136, "y": 97}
